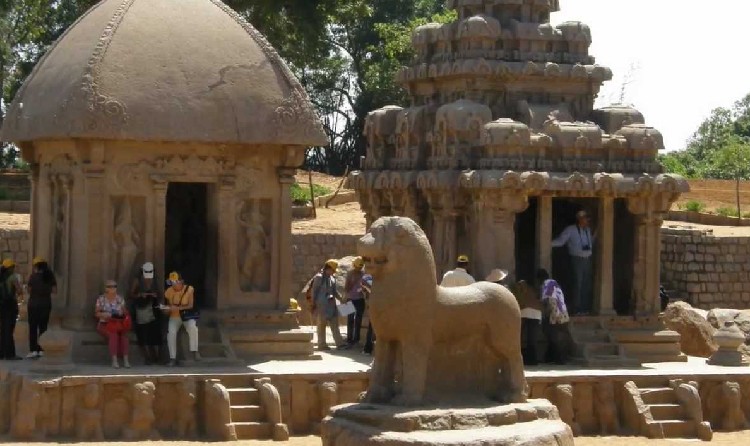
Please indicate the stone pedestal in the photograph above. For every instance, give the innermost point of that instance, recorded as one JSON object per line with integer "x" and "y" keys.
{"x": 536, "y": 422}
{"x": 57, "y": 344}
{"x": 729, "y": 338}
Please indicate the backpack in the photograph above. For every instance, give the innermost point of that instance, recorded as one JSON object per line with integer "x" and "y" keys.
{"x": 308, "y": 289}
{"x": 7, "y": 299}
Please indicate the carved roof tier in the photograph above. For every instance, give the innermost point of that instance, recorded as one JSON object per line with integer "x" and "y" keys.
{"x": 519, "y": 9}
{"x": 163, "y": 70}
{"x": 529, "y": 181}
{"x": 502, "y": 70}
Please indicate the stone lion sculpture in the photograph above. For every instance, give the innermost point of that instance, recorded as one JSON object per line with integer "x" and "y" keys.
{"x": 417, "y": 321}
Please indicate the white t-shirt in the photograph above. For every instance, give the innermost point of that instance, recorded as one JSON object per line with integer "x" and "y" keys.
{"x": 457, "y": 277}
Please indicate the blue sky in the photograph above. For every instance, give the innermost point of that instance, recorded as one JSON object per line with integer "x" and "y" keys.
{"x": 689, "y": 56}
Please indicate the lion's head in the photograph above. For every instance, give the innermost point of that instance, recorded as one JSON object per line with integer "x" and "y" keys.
{"x": 396, "y": 244}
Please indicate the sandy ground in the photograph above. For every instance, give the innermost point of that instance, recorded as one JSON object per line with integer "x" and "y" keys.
{"x": 720, "y": 439}
{"x": 717, "y": 194}
{"x": 718, "y": 231}
{"x": 343, "y": 219}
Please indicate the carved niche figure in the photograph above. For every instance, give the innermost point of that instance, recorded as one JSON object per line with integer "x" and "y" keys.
{"x": 142, "y": 422}
{"x": 255, "y": 259}
{"x": 723, "y": 406}
{"x": 29, "y": 405}
{"x": 328, "y": 396}
{"x": 218, "y": 422}
{"x": 185, "y": 422}
{"x": 398, "y": 255}
{"x": 459, "y": 126}
{"x": 125, "y": 242}
{"x": 561, "y": 395}
{"x": 89, "y": 416}
{"x": 606, "y": 408}
{"x": 59, "y": 228}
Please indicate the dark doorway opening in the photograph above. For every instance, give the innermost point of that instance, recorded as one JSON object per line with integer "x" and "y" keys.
{"x": 623, "y": 254}
{"x": 189, "y": 238}
{"x": 563, "y": 215}
{"x": 526, "y": 243}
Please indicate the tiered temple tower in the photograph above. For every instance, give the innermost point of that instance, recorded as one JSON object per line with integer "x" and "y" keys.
{"x": 501, "y": 145}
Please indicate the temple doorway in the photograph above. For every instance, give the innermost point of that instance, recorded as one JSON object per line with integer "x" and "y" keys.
{"x": 563, "y": 215}
{"x": 190, "y": 239}
{"x": 526, "y": 243}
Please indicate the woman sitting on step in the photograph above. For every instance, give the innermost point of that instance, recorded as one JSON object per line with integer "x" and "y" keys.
{"x": 114, "y": 323}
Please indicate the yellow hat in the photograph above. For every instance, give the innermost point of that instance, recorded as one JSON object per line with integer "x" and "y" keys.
{"x": 358, "y": 263}
{"x": 8, "y": 263}
{"x": 38, "y": 260}
{"x": 463, "y": 259}
{"x": 293, "y": 304}
{"x": 333, "y": 264}
{"x": 174, "y": 277}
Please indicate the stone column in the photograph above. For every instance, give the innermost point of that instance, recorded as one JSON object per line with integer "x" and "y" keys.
{"x": 160, "y": 222}
{"x": 227, "y": 284}
{"x": 647, "y": 255}
{"x": 284, "y": 247}
{"x": 544, "y": 233}
{"x": 603, "y": 283}
{"x": 495, "y": 244}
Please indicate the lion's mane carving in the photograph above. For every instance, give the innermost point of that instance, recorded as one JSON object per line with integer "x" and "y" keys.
{"x": 434, "y": 331}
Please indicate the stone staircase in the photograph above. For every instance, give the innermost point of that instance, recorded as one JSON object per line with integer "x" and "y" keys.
{"x": 593, "y": 345}
{"x": 248, "y": 416}
{"x": 213, "y": 345}
{"x": 663, "y": 416}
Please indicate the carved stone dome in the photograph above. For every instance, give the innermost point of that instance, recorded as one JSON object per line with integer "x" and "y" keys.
{"x": 163, "y": 70}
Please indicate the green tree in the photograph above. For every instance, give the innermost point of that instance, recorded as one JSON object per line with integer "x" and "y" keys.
{"x": 733, "y": 159}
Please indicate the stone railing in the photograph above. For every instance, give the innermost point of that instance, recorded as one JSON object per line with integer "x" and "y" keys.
{"x": 706, "y": 270}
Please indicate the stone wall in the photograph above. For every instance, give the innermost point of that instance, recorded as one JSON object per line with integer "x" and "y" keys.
{"x": 15, "y": 244}
{"x": 310, "y": 251}
{"x": 705, "y": 270}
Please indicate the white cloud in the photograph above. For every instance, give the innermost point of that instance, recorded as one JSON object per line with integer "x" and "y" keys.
{"x": 692, "y": 56}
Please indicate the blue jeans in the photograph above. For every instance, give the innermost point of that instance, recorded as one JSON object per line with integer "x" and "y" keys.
{"x": 583, "y": 281}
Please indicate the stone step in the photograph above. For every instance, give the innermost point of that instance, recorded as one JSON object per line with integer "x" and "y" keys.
{"x": 271, "y": 342}
{"x": 253, "y": 430}
{"x": 662, "y": 412}
{"x": 247, "y": 396}
{"x": 647, "y": 359}
{"x": 591, "y": 349}
{"x": 658, "y": 395}
{"x": 590, "y": 336}
{"x": 646, "y": 349}
{"x": 246, "y": 414}
{"x": 213, "y": 350}
{"x": 672, "y": 429}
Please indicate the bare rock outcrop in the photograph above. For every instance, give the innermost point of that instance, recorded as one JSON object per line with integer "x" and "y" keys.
{"x": 696, "y": 333}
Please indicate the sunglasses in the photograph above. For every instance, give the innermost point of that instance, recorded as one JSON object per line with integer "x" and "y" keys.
{"x": 111, "y": 286}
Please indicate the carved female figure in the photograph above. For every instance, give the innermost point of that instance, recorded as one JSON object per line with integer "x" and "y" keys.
{"x": 125, "y": 240}
{"x": 255, "y": 258}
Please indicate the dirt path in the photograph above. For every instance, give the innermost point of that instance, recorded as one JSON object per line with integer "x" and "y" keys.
{"x": 343, "y": 219}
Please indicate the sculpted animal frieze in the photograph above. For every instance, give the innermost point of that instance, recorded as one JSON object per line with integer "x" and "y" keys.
{"x": 398, "y": 255}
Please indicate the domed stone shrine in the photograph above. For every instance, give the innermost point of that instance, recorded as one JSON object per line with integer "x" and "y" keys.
{"x": 167, "y": 131}
{"x": 501, "y": 147}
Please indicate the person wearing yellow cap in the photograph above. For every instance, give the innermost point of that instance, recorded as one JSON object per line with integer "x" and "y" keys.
{"x": 10, "y": 291}
{"x": 180, "y": 299}
{"x": 459, "y": 276}
{"x": 42, "y": 285}
{"x": 355, "y": 294}
{"x": 324, "y": 295}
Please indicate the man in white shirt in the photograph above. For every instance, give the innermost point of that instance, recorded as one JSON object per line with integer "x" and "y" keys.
{"x": 458, "y": 276}
{"x": 580, "y": 243}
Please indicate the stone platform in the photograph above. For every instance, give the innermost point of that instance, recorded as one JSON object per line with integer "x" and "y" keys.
{"x": 536, "y": 422}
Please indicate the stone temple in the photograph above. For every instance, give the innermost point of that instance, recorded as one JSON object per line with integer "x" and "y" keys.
{"x": 501, "y": 145}
{"x": 168, "y": 132}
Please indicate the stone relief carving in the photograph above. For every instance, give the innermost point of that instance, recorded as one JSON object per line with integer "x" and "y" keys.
{"x": 88, "y": 417}
{"x": 125, "y": 242}
{"x": 271, "y": 402}
{"x": 561, "y": 395}
{"x": 141, "y": 425}
{"x": 254, "y": 260}
{"x": 30, "y": 405}
{"x": 328, "y": 396}
{"x": 606, "y": 408}
{"x": 186, "y": 399}
{"x": 722, "y": 402}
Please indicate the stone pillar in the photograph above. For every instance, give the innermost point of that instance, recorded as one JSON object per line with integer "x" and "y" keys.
{"x": 284, "y": 247}
{"x": 227, "y": 284}
{"x": 160, "y": 222}
{"x": 495, "y": 244}
{"x": 646, "y": 269}
{"x": 603, "y": 283}
{"x": 544, "y": 233}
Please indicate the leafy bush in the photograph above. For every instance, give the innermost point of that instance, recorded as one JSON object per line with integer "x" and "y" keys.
{"x": 695, "y": 206}
{"x": 301, "y": 193}
{"x": 727, "y": 212}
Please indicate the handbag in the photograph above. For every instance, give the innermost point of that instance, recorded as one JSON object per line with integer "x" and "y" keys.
{"x": 346, "y": 309}
{"x": 191, "y": 314}
{"x": 116, "y": 325}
